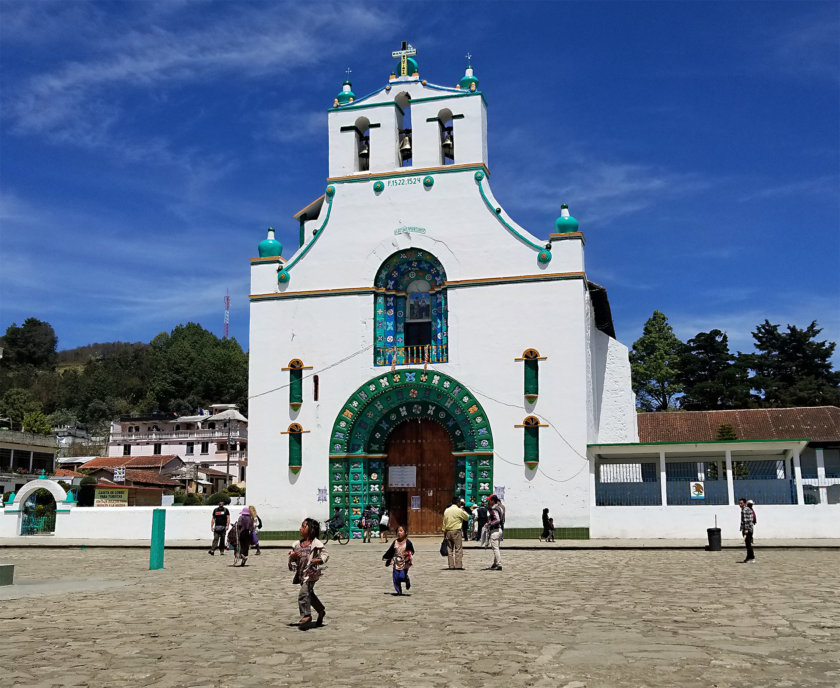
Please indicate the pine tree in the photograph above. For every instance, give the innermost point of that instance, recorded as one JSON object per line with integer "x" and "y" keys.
{"x": 654, "y": 362}
{"x": 712, "y": 376}
{"x": 792, "y": 368}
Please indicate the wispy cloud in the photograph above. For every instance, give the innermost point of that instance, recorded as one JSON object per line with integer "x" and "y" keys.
{"x": 81, "y": 101}
{"x": 824, "y": 186}
{"x": 607, "y": 190}
{"x": 808, "y": 45}
{"x": 739, "y": 323}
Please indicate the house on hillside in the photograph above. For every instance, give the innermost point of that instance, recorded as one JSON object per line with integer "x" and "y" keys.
{"x": 163, "y": 464}
{"x": 22, "y": 456}
{"x": 217, "y": 440}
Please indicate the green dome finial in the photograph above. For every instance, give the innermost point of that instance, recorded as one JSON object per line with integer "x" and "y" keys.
{"x": 468, "y": 82}
{"x": 270, "y": 247}
{"x": 565, "y": 223}
{"x": 346, "y": 95}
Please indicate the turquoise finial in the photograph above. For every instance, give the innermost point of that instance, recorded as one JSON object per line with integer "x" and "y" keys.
{"x": 270, "y": 247}
{"x": 565, "y": 223}
{"x": 468, "y": 82}
{"x": 346, "y": 95}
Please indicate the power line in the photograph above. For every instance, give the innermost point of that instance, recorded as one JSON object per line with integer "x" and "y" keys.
{"x": 314, "y": 372}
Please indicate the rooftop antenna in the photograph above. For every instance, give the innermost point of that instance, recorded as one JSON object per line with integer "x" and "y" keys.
{"x": 227, "y": 315}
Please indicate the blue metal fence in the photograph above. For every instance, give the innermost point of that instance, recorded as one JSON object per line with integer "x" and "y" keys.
{"x": 679, "y": 492}
{"x": 627, "y": 494}
{"x": 766, "y": 491}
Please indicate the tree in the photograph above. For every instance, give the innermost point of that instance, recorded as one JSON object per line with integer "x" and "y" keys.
{"x": 36, "y": 422}
{"x": 63, "y": 418}
{"x": 33, "y": 343}
{"x": 16, "y": 403}
{"x": 192, "y": 367}
{"x": 654, "y": 363}
{"x": 712, "y": 377}
{"x": 792, "y": 368}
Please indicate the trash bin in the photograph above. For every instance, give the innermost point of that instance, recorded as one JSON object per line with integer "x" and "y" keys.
{"x": 714, "y": 539}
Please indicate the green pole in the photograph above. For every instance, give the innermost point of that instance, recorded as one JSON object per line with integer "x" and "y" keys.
{"x": 158, "y": 530}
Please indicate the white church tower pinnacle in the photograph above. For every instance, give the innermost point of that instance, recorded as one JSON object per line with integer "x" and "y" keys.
{"x": 408, "y": 125}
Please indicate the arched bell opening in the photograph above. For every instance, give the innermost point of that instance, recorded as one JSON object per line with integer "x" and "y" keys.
{"x": 404, "y": 139}
{"x": 447, "y": 137}
{"x": 362, "y": 127}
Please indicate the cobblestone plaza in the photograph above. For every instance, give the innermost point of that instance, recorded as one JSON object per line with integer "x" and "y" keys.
{"x": 575, "y": 618}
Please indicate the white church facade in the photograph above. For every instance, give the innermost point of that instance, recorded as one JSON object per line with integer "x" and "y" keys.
{"x": 420, "y": 344}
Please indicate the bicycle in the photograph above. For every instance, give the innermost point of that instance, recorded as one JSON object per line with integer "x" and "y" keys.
{"x": 329, "y": 534}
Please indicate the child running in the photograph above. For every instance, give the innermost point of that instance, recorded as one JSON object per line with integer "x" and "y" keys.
{"x": 400, "y": 552}
{"x": 306, "y": 560}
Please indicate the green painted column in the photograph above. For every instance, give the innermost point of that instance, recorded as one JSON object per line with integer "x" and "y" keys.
{"x": 532, "y": 447}
{"x": 295, "y": 451}
{"x": 158, "y": 531}
{"x": 532, "y": 380}
{"x": 295, "y": 388}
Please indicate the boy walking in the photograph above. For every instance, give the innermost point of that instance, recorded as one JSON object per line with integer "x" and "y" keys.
{"x": 747, "y": 526}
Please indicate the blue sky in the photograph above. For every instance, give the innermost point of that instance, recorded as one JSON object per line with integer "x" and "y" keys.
{"x": 146, "y": 146}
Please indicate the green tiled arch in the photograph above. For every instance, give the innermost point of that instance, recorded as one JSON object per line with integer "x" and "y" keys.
{"x": 372, "y": 412}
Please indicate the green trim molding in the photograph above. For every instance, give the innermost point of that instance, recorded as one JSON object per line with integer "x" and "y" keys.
{"x": 283, "y": 273}
{"x": 534, "y": 533}
{"x": 654, "y": 444}
{"x": 485, "y": 282}
{"x": 544, "y": 254}
{"x": 292, "y": 535}
{"x": 410, "y": 172}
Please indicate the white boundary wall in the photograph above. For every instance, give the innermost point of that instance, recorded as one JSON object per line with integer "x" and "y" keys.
{"x": 123, "y": 523}
{"x": 818, "y": 521}
{"x": 680, "y": 522}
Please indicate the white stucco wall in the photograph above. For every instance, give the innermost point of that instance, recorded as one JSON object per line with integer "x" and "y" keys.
{"x": 122, "y": 523}
{"x": 678, "y": 522}
{"x": 612, "y": 393}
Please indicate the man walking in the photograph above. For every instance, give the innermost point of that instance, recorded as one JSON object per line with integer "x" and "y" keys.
{"x": 482, "y": 513}
{"x": 219, "y": 523}
{"x": 494, "y": 527}
{"x": 453, "y": 518}
{"x": 747, "y": 525}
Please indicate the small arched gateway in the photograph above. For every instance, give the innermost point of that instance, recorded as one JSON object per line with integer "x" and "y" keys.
{"x": 30, "y": 522}
{"x": 410, "y": 440}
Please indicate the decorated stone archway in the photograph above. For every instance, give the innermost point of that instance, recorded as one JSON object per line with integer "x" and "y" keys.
{"x": 368, "y": 417}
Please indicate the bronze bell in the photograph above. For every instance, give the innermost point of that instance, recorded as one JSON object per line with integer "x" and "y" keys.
{"x": 405, "y": 145}
{"x": 448, "y": 144}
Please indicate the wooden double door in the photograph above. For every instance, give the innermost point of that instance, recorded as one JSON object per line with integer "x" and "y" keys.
{"x": 426, "y": 446}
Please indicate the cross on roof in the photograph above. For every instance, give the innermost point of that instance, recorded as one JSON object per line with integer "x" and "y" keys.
{"x": 348, "y": 73}
{"x": 469, "y": 56}
{"x": 403, "y": 54}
